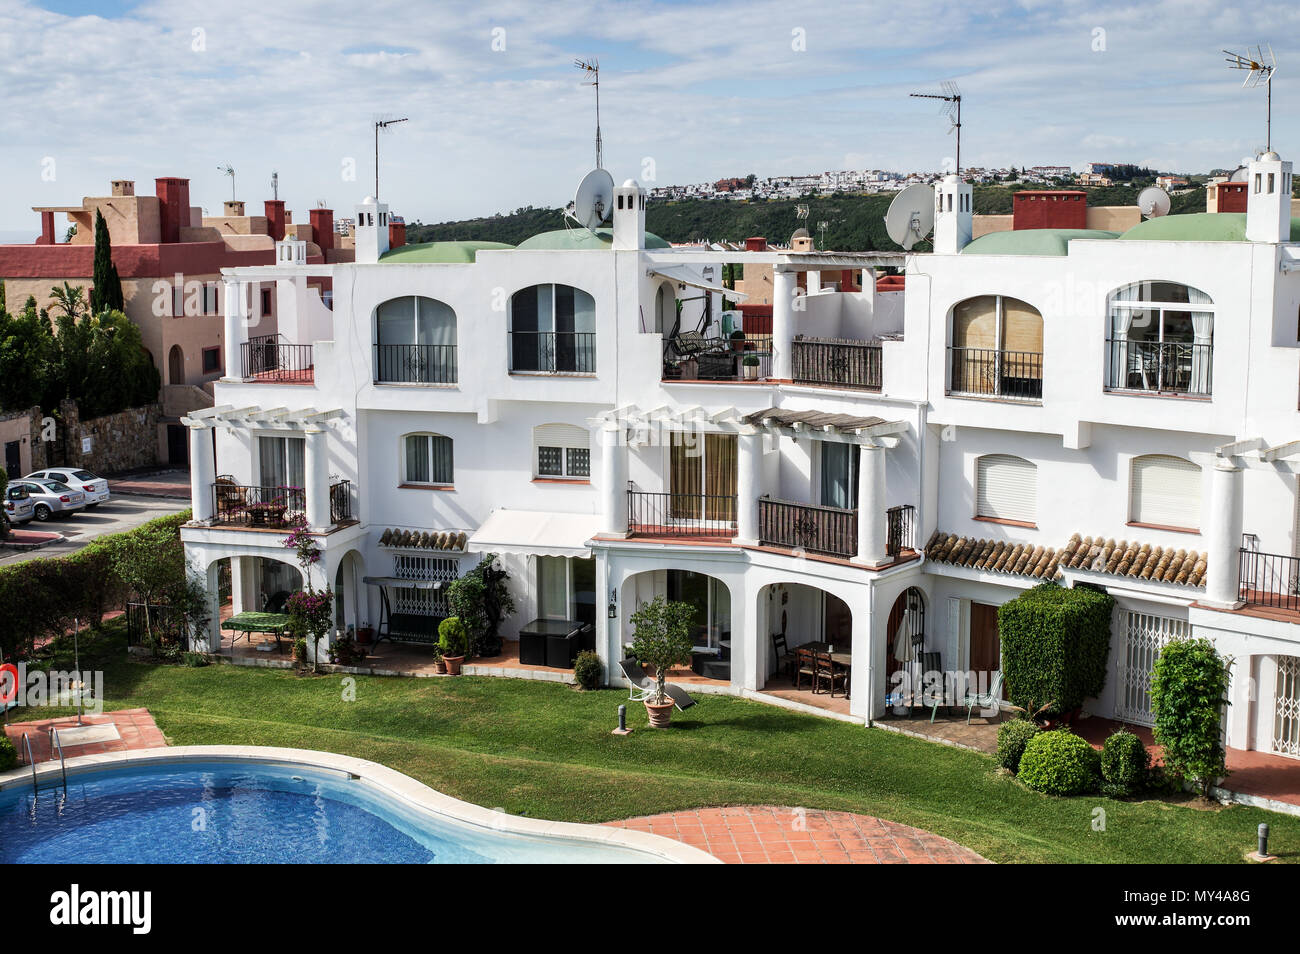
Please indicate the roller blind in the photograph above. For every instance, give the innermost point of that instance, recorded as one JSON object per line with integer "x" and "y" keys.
{"x": 1166, "y": 491}
{"x": 1006, "y": 488}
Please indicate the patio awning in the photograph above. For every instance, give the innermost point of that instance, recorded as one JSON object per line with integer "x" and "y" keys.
{"x": 535, "y": 532}
{"x": 685, "y": 276}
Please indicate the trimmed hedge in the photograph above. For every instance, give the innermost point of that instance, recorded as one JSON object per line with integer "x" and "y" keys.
{"x": 1060, "y": 763}
{"x": 1189, "y": 690}
{"x": 1125, "y": 762}
{"x": 588, "y": 670}
{"x": 43, "y": 597}
{"x": 1055, "y": 645}
{"x": 1013, "y": 736}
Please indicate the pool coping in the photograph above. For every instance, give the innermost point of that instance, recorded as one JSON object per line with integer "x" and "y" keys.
{"x": 389, "y": 781}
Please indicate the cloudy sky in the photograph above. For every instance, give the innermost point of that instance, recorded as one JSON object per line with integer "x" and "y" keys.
{"x": 691, "y": 91}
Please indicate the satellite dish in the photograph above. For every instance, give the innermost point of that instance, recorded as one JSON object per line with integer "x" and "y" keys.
{"x": 911, "y": 215}
{"x": 1153, "y": 202}
{"x": 1240, "y": 174}
{"x": 594, "y": 199}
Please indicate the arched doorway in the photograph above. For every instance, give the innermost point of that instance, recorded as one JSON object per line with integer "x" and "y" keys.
{"x": 711, "y": 627}
{"x": 798, "y": 616}
{"x": 904, "y": 642}
{"x": 176, "y": 365}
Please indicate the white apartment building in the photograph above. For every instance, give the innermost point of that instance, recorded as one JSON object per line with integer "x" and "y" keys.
{"x": 1116, "y": 410}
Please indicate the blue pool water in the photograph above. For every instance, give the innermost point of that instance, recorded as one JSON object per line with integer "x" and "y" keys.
{"x": 226, "y": 812}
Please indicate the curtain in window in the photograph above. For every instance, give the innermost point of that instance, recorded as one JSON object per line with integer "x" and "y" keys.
{"x": 524, "y": 326}
{"x": 839, "y": 475}
{"x": 1203, "y": 335}
{"x": 553, "y": 587}
{"x": 417, "y": 460}
{"x": 685, "y": 473}
{"x": 283, "y": 461}
{"x": 1120, "y": 320}
{"x": 720, "y": 455}
{"x": 435, "y": 330}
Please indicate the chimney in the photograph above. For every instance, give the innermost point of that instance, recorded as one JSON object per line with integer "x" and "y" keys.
{"x": 1226, "y": 196}
{"x": 952, "y": 214}
{"x": 233, "y": 209}
{"x": 371, "y": 230}
{"x": 756, "y": 244}
{"x": 322, "y": 228}
{"x": 123, "y": 187}
{"x": 47, "y": 229}
{"x": 629, "y": 216}
{"x": 396, "y": 233}
{"x": 1268, "y": 202}
{"x": 275, "y": 218}
{"x": 174, "y": 214}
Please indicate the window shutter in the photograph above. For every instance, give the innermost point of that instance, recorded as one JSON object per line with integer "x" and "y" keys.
{"x": 1166, "y": 491}
{"x": 562, "y": 436}
{"x": 1006, "y": 488}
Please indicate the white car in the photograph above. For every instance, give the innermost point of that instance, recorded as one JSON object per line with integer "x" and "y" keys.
{"x": 95, "y": 488}
{"x": 19, "y": 506}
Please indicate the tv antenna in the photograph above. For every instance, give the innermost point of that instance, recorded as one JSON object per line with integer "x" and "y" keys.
{"x": 382, "y": 124}
{"x": 592, "y": 67}
{"x": 275, "y": 185}
{"x": 821, "y": 227}
{"x": 951, "y": 97}
{"x": 229, "y": 170}
{"x": 1258, "y": 73}
{"x": 801, "y": 212}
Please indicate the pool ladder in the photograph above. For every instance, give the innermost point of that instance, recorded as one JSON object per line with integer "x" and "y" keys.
{"x": 55, "y": 746}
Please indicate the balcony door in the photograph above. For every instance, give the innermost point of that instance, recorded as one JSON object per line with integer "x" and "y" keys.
{"x": 839, "y": 475}
{"x": 552, "y": 329}
{"x": 282, "y": 462}
{"x": 416, "y": 341}
{"x": 702, "y": 477}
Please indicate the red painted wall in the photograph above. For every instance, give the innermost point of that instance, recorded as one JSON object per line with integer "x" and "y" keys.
{"x": 275, "y": 218}
{"x": 1232, "y": 196}
{"x": 396, "y": 234}
{"x": 1064, "y": 209}
{"x": 132, "y": 261}
{"x": 322, "y": 228}
{"x": 174, "y": 198}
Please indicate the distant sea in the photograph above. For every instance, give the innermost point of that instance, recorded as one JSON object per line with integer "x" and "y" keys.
{"x": 18, "y": 236}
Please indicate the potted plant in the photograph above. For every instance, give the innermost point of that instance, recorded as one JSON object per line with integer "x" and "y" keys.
{"x": 661, "y": 636}
{"x": 344, "y": 651}
{"x": 452, "y": 640}
{"x": 439, "y": 664}
{"x": 737, "y": 341}
{"x": 365, "y": 634}
{"x": 749, "y": 364}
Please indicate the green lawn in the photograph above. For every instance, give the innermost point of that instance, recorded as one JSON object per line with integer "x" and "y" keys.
{"x": 545, "y": 750}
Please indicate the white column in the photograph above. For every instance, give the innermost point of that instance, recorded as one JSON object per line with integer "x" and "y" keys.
{"x": 871, "y": 506}
{"x": 814, "y": 282}
{"x": 243, "y": 595}
{"x": 203, "y": 472}
{"x": 784, "y": 286}
{"x": 613, "y": 480}
{"x": 318, "y": 480}
{"x": 749, "y": 487}
{"x": 1223, "y": 535}
{"x": 234, "y": 329}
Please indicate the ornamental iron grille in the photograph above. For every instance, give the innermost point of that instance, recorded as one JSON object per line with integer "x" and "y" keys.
{"x": 422, "y": 602}
{"x": 1286, "y": 703}
{"x": 1144, "y": 636}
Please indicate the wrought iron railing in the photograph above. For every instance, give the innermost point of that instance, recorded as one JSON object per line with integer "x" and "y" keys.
{"x": 415, "y": 364}
{"x": 676, "y": 515}
{"x": 1177, "y": 367}
{"x": 553, "y": 351}
{"x": 837, "y": 362}
{"x": 739, "y": 359}
{"x": 900, "y": 528}
{"x": 237, "y": 504}
{"x": 341, "y": 501}
{"x": 1269, "y": 579}
{"x": 268, "y": 358}
{"x": 1013, "y": 375}
{"x": 827, "y": 530}
{"x": 165, "y": 621}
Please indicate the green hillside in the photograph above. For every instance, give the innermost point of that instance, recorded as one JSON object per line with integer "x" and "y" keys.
{"x": 853, "y": 222}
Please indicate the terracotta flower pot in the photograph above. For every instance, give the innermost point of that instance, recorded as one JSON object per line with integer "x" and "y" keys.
{"x": 453, "y": 664}
{"x": 660, "y": 713}
{"x": 364, "y": 635}
{"x": 440, "y": 665}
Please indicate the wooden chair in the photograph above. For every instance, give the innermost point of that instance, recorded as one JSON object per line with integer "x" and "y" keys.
{"x": 785, "y": 659}
{"x": 806, "y": 665}
{"x": 829, "y": 672}
{"x": 231, "y": 499}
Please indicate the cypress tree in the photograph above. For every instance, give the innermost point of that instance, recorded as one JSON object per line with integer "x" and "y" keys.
{"x": 106, "y": 293}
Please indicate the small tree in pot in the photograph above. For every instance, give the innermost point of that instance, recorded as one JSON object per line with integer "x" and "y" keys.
{"x": 452, "y": 640}
{"x": 662, "y": 637}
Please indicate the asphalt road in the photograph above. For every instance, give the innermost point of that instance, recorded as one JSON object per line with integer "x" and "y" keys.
{"x": 121, "y": 512}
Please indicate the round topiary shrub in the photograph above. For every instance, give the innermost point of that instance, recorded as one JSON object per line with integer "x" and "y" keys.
{"x": 1125, "y": 763}
{"x": 1060, "y": 763}
{"x": 588, "y": 670}
{"x": 8, "y": 754}
{"x": 1013, "y": 736}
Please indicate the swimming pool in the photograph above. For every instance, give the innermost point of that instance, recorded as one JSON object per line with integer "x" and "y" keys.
{"x": 203, "y": 809}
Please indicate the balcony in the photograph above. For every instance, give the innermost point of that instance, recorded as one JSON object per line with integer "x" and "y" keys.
{"x": 1269, "y": 579}
{"x": 829, "y": 531}
{"x": 993, "y": 373}
{"x": 266, "y": 358}
{"x": 836, "y": 362}
{"x": 552, "y": 352}
{"x": 272, "y": 508}
{"x": 720, "y": 359}
{"x": 415, "y": 364}
{"x": 681, "y": 515}
{"x": 1159, "y": 367}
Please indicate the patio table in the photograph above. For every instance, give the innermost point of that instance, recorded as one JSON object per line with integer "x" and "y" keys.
{"x": 250, "y": 622}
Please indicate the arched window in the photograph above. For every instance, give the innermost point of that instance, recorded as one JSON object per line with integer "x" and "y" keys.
{"x": 1006, "y": 488}
{"x": 1160, "y": 338}
{"x": 1165, "y": 491}
{"x": 997, "y": 348}
{"x": 427, "y": 460}
{"x": 175, "y": 365}
{"x": 415, "y": 341}
{"x": 552, "y": 328}
{"x": 562, "y": 451}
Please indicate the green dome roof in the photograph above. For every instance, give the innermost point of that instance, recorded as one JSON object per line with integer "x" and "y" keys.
{"x": 1197, "y": 227}
{"x": 439, "y": 253}
{"x": 1032, "y": 241}
{"x": 576, "y": 239}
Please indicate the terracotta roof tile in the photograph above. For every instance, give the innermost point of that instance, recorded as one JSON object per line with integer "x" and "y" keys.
{"x": 999, "y": 556}
{"x": 398, "y": 538}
